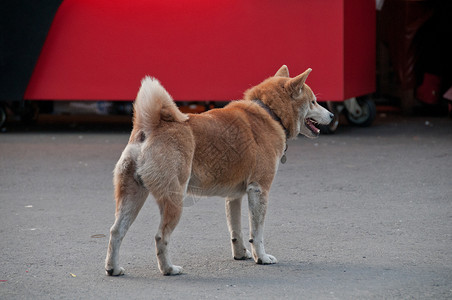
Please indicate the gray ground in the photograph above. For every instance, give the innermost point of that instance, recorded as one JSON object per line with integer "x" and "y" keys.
{"x": 364, "y": 213}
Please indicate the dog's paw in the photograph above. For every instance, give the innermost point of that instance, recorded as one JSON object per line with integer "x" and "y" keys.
{"x": 115, "y": 272}
{"x": 172, "y": 270}
{"x": 267, "y": 259}
{"x": 246, "y": 256}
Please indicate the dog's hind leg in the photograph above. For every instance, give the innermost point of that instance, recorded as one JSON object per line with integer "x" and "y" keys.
{"x": 170, "y": 212}
{"x": 233, "y": 215}
{"x": 130, "y": 196}
{"x": 257, "y": 203}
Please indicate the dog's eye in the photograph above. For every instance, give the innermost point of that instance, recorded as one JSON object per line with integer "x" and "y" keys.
{"x": 313, "y": 102}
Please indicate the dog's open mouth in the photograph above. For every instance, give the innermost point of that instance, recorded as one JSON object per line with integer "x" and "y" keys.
{"x": 311, "y": 124}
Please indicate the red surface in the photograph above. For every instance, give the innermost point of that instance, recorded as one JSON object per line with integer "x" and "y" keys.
{"x": 359, "y": 48}
{"x": 204, "y": 50}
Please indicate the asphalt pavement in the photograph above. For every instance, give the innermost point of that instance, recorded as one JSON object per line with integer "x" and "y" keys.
{"x": 365, "y": 213}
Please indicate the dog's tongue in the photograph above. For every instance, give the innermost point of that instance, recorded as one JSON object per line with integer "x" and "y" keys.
{"x": 312, "y": 127}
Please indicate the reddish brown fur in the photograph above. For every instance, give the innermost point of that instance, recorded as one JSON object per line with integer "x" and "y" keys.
{"x": 224, "y": 152}
{"x": 284, "y": 97}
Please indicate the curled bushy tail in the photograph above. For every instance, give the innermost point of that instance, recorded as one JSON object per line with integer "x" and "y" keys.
{"x": 154, "y": 104}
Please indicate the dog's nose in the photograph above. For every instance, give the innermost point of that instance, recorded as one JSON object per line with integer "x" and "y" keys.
{"x": 331, "y": 116}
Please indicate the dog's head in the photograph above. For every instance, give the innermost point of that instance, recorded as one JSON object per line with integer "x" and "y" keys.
{"x": 293, "y": 101}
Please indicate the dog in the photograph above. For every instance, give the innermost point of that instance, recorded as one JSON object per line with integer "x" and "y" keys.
{"x": 227, "y": 152}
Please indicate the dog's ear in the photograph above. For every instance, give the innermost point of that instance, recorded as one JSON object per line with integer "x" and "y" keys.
{"x": 282, "y": 72}
{"x": 295, "y": 85}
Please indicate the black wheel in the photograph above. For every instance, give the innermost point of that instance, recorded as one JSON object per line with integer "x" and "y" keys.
{"x": 365, "y": 115}
{"x": 332, "y": 127}
{"x": 30, "y": 112}
{"x": 2, "y": 115}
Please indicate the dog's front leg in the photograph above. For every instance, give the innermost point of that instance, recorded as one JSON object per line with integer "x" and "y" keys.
{"x": 234, "y": 215}
{"x": 257, "y": 203}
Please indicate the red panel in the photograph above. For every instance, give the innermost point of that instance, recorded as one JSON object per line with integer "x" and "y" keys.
{"x": 199, "y": 50}
{"x": 359, "y": 48}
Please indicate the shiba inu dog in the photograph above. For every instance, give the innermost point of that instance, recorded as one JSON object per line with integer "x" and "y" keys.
{"x": 228, "y": 152}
